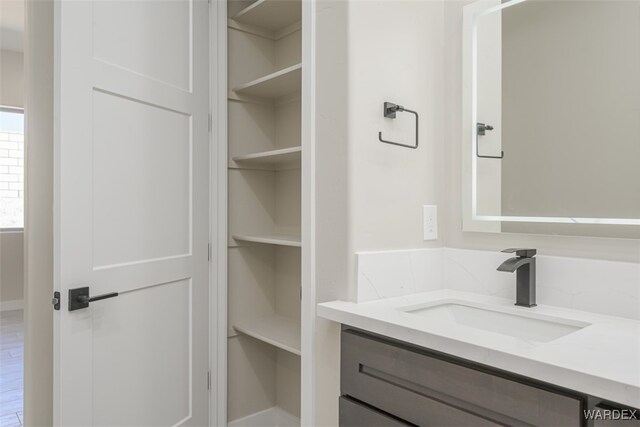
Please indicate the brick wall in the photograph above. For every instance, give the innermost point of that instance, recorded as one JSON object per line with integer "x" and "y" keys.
{"x": 11, "y": 178}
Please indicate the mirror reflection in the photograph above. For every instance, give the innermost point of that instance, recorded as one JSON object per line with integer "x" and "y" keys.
{"x": 557, "y": 116}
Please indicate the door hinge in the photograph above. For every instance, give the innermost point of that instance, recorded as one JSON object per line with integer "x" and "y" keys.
{"x": 210, "y": 122}
{"x": 209, "y": 252}
{"x": 208, "y": 380}
{"x": 56, "y": 300}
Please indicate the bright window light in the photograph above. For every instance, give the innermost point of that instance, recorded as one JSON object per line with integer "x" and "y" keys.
{"x": 11, "y": 168}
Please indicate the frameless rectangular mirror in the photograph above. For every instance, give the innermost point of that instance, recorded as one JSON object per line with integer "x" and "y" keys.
{"x": 551, "y": 138}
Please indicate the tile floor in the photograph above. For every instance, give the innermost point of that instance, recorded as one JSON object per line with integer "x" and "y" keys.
{"x": 11, "y": 368}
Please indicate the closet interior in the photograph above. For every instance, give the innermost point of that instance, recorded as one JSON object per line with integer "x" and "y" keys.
{"x": 264, "y": 218}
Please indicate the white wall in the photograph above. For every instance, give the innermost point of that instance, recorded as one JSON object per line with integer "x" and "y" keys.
{"x": 11, "y": 243}
{"x": 395, "y": 51}
{"x": 11, "y": 270}
{"x": 370, "y": 194}
{"x": 11, "y": 79}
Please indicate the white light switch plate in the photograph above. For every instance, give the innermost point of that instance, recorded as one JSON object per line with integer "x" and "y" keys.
{"x": 430, "y": 218}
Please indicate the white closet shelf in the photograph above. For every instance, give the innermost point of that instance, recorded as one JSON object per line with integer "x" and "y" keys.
{"x": 272, "y": 15}
{"x": 271, "y": 239}
{"x": 279, "y": 331}
{"x": 285, "y": 158}
{"x": 262, "y": 32}
{"x": 272, "y": 417}
{"x": 274, "y": 85}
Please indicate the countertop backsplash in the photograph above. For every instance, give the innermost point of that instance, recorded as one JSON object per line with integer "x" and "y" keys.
{"x": 598, "y": 286}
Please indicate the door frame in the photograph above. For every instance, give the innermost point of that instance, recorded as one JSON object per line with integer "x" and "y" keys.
{"x": 308, "y": 302}
{"x": 218, "y": 213}
{"x": 38, "y": 215}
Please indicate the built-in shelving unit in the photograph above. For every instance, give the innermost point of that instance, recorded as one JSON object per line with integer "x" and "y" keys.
{"x": 284, "y": 158}
{"x": 264, "y": 219}
{"x": 275, "y": 85}
{"x": 279, "y": 331}
{"x": 272, "y": 15}
{"x": 268, "y": 417}
{"x": 279, "y": 240}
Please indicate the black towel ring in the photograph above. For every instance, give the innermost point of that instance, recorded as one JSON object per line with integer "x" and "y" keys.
{"x": 389, "y": 112}
{"x": 481, "y": 130}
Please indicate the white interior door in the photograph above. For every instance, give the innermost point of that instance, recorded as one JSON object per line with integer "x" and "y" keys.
{"x": 131, "y": 212}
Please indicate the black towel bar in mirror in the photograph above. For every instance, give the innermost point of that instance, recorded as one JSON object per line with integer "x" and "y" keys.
{"x": 390, "y": 110}
{"x": 481, "y": 130}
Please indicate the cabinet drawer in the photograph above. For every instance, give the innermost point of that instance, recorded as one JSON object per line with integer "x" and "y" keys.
{"x": 355, "y": 414}
{"x": 426, "y": 390}
{"x": 417, "y": 410}
{"x": 606, "y": 418}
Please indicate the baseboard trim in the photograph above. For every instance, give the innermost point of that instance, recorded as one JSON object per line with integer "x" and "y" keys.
{"x": 16, "y": 304}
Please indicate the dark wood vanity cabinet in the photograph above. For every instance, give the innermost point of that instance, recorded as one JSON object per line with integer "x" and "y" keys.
{"x": 357, "y": 414}
{"x": 389, "y": 383}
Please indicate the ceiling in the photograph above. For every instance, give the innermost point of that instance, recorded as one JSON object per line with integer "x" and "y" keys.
{"x": 11, "y": 24}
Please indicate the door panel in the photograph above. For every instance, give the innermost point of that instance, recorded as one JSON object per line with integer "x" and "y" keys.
{"x": 163, "y": 360}
{"x": 131, "y": 160}
{"x": 141, "y": 208}
{"x": 158, "y": 48}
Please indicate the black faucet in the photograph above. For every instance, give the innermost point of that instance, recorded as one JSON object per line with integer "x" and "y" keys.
{"x": 525, "y": 263}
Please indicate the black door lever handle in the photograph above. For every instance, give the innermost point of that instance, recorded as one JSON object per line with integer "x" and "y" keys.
{"x": 86, "y": 299}
{"x": 79, "y": 298}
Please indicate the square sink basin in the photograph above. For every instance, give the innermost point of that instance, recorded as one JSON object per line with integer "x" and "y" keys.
{"x": 505, "y": 321}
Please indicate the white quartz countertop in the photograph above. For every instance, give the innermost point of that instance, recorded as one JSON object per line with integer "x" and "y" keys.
{"x": 602, "y": 359}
